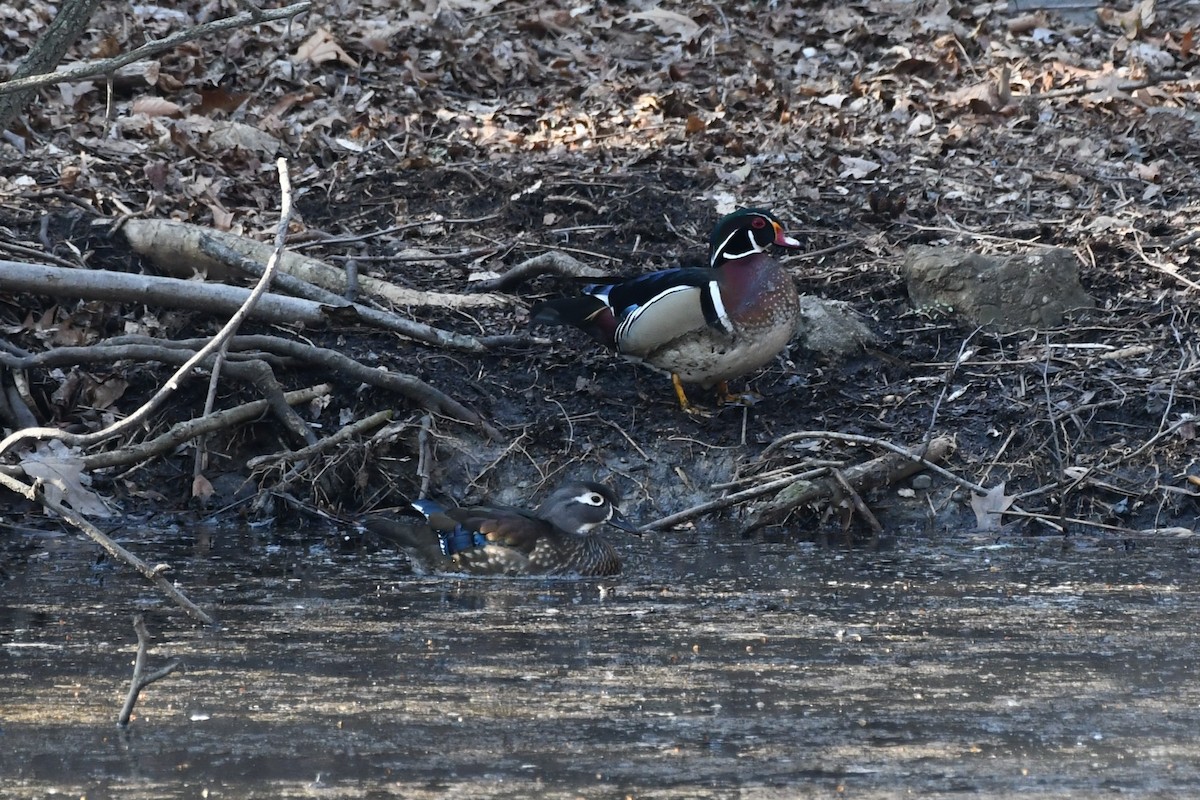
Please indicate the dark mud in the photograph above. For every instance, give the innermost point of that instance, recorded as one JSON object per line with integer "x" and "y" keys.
{"x": 718, "y": 667}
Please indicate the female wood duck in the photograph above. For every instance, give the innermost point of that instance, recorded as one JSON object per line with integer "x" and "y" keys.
{"x": 702, "y": 325}
{"x": 557, "y": 539}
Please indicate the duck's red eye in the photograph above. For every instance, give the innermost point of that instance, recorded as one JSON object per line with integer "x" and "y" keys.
{"x": 758, "y": 222}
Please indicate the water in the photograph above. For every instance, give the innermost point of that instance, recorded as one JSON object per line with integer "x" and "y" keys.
{"x": 715, "y": 668}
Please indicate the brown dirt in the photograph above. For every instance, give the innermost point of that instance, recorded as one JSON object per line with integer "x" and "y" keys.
{"x": 867, "y": 126}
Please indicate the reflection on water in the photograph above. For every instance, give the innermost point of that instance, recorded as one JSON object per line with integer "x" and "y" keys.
{"x": 714, "y": 667}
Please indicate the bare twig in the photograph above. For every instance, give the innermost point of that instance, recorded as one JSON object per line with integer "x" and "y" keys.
{"x": 105, "y": 65}
{"x": 881, "y": 471}
{"x": 1164, "y": 267}
{"x": 343, "y": 434}
{"x": 408, "y": 226}
{"x": 285, "y": 217}
{"x": 857, "y": 501}
{"x": 132, "y": 347}
{"x": 140, "y": 680}
{"x": 1153, "y": 80}
{"x": 947, "y": 377}
{"x": 728, "y": 500}
{"x": 1183, "y": 241}
{"x": 1058, "y": 454}
{"x": 871, "y": 440}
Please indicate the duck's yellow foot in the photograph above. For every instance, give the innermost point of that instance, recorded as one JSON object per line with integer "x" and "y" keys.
{"x": 743, "y": 399}
{"x": 683, "y": 401}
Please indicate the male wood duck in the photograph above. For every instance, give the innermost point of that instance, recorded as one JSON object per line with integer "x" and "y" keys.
{"x": 703, "y": 325}
{"x": 557, "y": 539}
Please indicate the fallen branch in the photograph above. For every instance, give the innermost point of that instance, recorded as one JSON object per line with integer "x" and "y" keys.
{"x": 140, "y": 680}
{"x": 265, "y": 378}
{"x": 882, "y": 471}
{"x": 382, "y": 319}
{"x": 256, "y": 373}
{"x": 376, "y": 420}
{"x": 167, "y": 389}
{"x": 154, "y": 290}
{"x": 1130, "y": 86}
{"x": 193, "y": 428}
{"x": 347, "y": 368}
{"x": 139, "y": 348}
{"x": 174, "y": 247}
{"x": 857, "y": 501}
{"x": 916, "y": 456}
{"x": 727, "y": 501}
{"x": 551, "y": 262}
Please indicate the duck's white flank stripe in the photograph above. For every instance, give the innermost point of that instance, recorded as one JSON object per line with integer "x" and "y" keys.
{"x": 722, "y": 316}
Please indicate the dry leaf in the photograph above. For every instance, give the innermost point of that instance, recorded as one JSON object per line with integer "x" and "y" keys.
{"x": 1151, "y": 173}
{"x": 71, "y": 92}
{"x": 981, "y": 98}
{"x": 239, "y": 135}
{"x": 62, "y": 478}
{"x": 857, "y": 168}
{"x": 669, "y": 22}
{"x": 202, "y": 488}
{"x": 1133, "y": 21}
{"x": 321, "y": 47}
{"x": 1107, "y": 88}
{"x": 156, "y": 107}
{"x": 990, "y": 506}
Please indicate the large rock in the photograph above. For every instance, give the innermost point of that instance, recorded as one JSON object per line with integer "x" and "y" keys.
{"x": 1032, "y": 290}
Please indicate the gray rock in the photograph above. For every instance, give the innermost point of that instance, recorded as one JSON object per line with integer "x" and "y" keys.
{"x": 1034, "y": 289}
